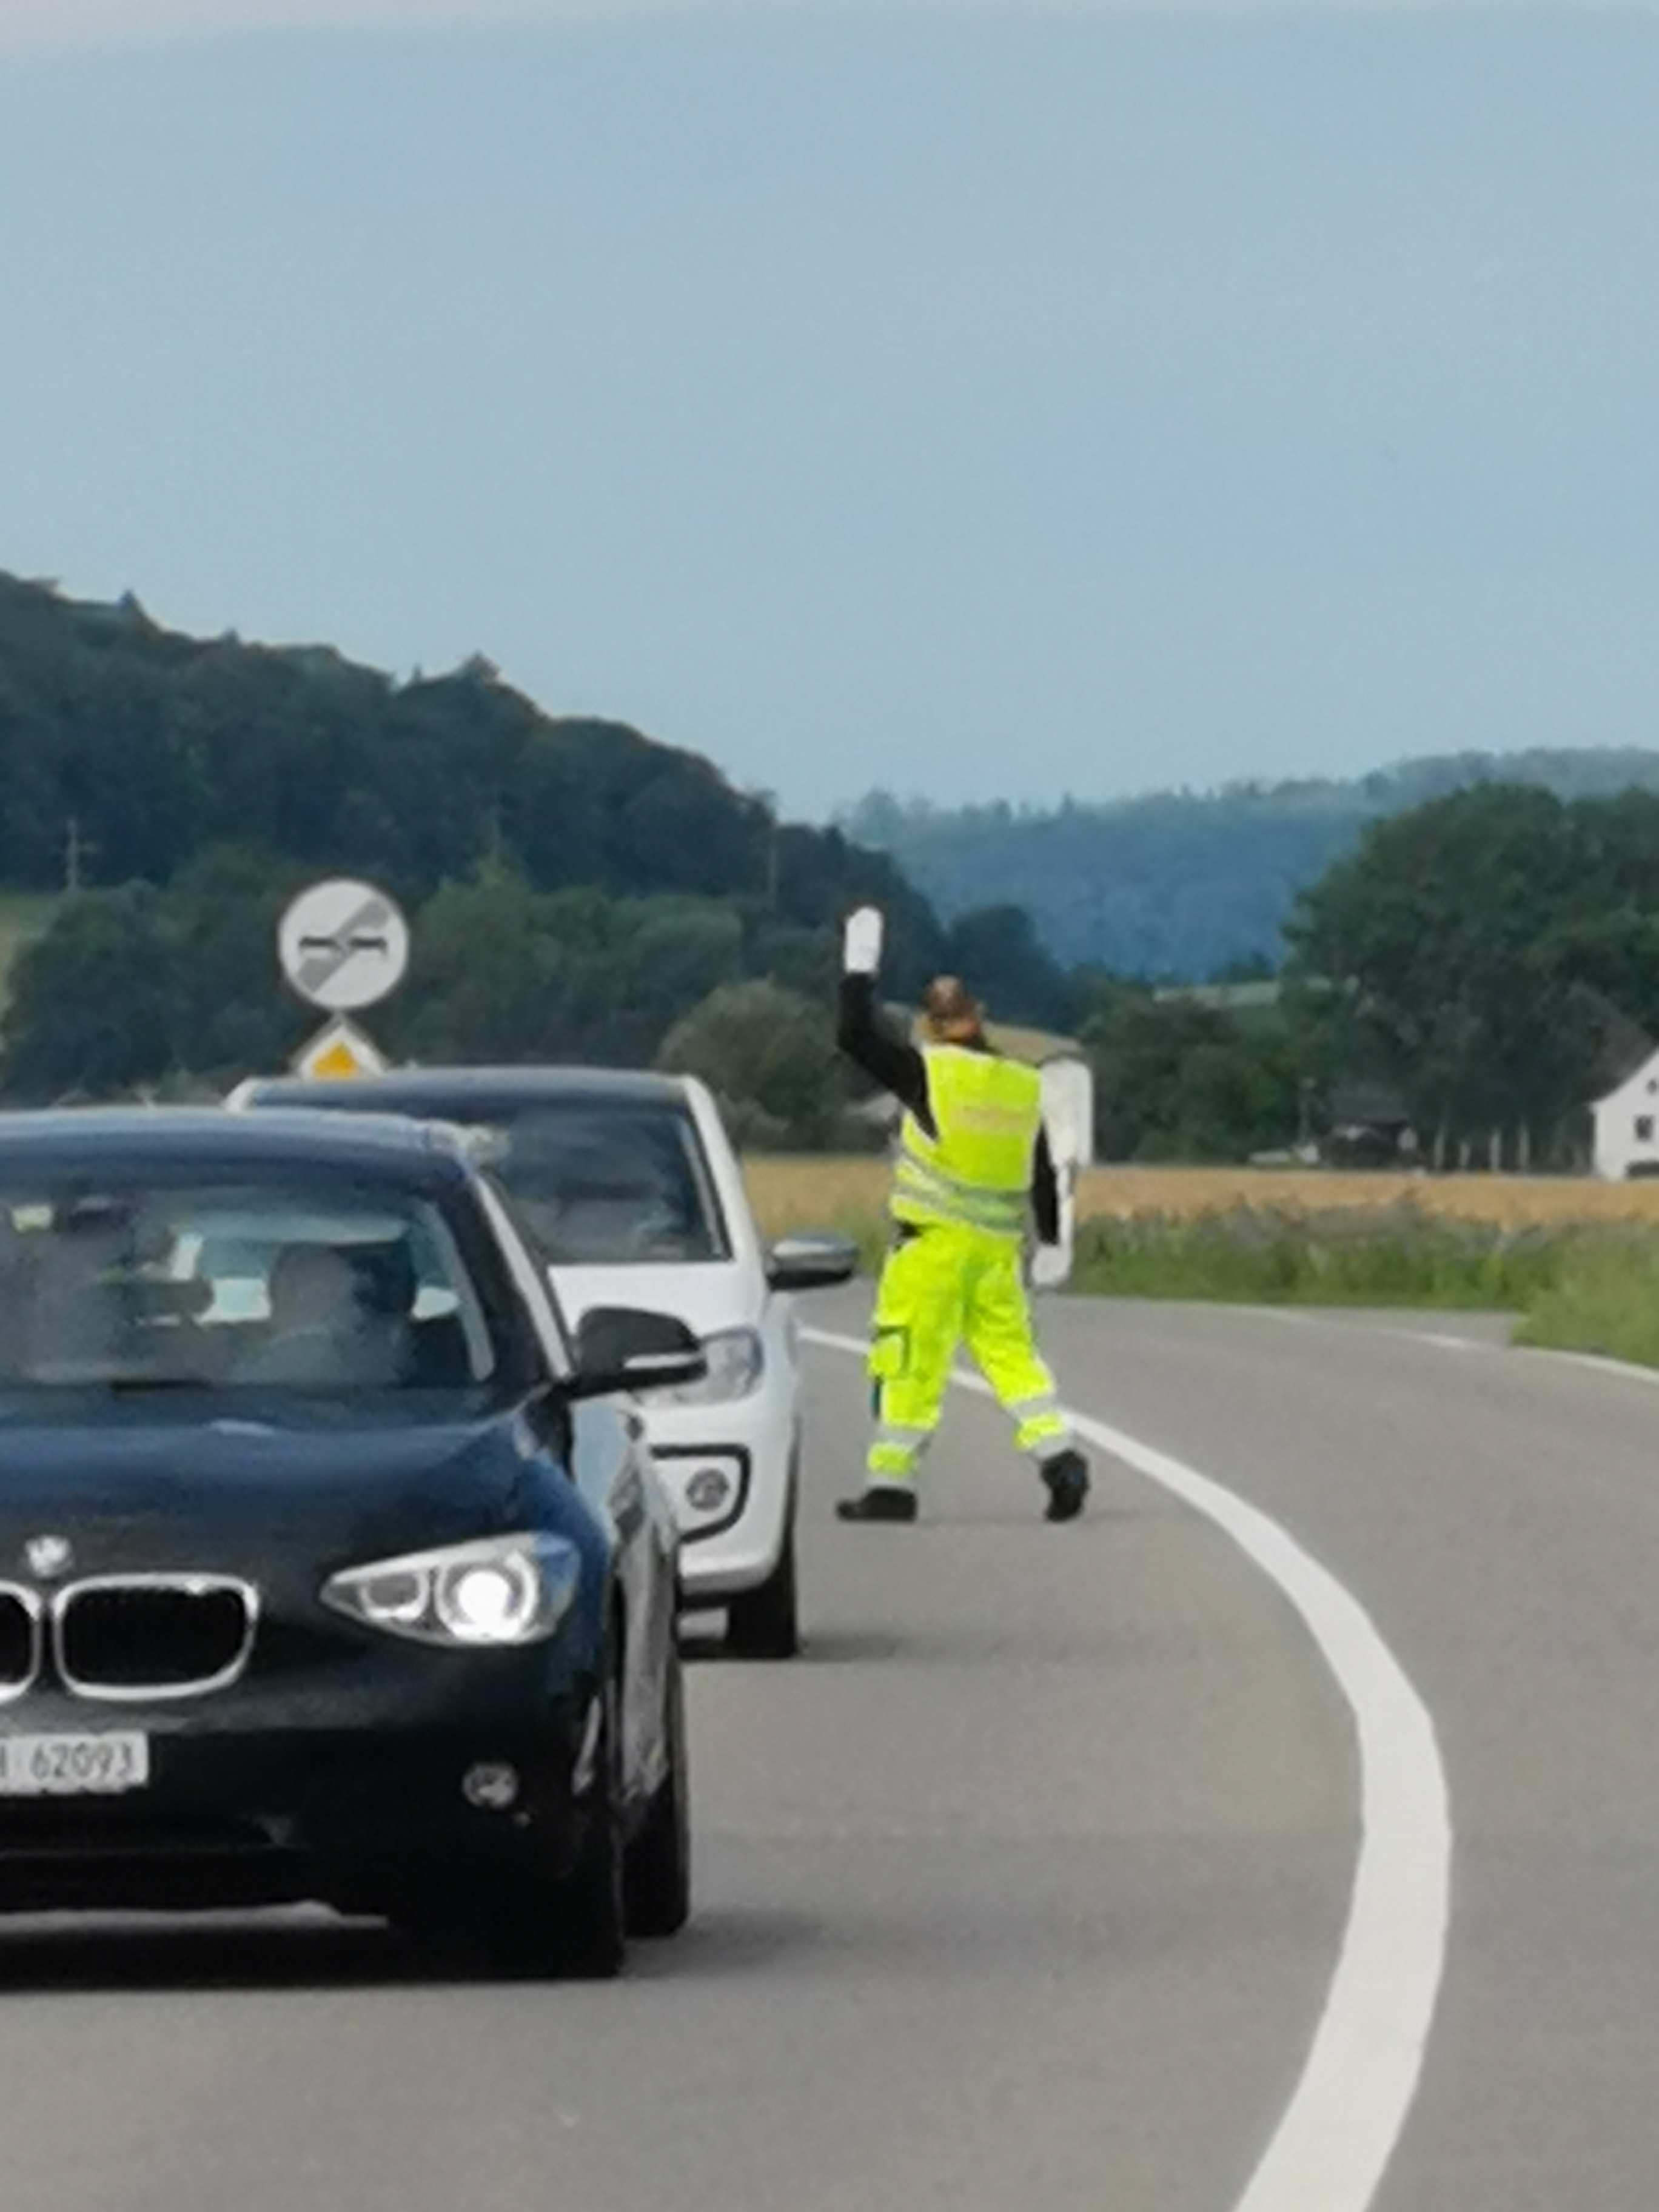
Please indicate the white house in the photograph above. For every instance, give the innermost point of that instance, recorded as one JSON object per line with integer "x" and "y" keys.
{"x": 1626, "y": 1126}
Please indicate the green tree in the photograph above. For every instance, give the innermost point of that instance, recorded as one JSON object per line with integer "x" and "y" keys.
{"x": 159, "y": 744}
{"x": 1446, "y": 940}
{"x": 507, "y": 974}
{"x": 488, "y": 981}
{"x": 1176, "y": 1079}
{"x": 995, "y": 950}
{"x": 94, "y": 1008}
{"x": 770, "y": 1058}
{"x": 232, "y": 1013}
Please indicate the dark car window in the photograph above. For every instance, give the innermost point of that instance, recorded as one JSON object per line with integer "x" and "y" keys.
{"x": 599, "y": 1184}
{"x": 287, "y": 1283}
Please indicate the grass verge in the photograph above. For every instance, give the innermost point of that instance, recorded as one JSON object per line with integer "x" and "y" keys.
{"x": 1576, "y": 1283}
{"x": 1604, "y": 1297}
{"x": 1397, "y": 1255}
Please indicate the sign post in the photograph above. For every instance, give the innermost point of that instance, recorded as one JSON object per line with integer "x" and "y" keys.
{"x": 1068, "y": 1115}
{"x": 343, "y": 945}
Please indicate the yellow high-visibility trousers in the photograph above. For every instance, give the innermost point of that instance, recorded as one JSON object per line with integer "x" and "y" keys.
{"x": 944, "y": 1287}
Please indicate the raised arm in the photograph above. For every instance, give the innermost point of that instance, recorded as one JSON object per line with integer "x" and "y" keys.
{"x": 860, "y": 1032}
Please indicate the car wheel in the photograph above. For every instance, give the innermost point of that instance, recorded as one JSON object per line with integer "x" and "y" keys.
{"x": 764, "y": 1623}
{"x": 586, "y": 1937}
{"x": 657, "y": 1869}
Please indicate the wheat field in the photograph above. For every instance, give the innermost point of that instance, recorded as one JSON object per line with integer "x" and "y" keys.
{"x": 809, "y": 1192}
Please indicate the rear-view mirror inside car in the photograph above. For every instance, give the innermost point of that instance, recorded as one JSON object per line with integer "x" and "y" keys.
{"x": 812, "y": 1261}
{"x": 627, "y": 1348}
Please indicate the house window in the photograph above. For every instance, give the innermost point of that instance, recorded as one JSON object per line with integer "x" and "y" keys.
{"x": 1644, "y": 1128}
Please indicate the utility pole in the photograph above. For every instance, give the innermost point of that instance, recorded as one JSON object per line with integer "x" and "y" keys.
{"x": 76, "y": 852}
{"x": 767, "y": 801}
{"x": 492, "y": 866}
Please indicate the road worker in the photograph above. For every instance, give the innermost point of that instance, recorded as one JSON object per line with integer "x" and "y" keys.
{"x": 973, "y": 1170}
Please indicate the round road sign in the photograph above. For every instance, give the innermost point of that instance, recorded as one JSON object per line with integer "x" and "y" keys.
{"x": 342, "y": 945}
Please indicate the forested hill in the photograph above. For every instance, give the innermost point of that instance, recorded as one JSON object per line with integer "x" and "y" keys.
{"x": 144, "y": 747}
{"x": 577, "y": 892}
{"x": 1178, "y": 885}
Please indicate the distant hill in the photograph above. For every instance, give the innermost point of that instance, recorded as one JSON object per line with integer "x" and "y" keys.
{"x": 1181, "y": 886}
{"x": 127, "y": 750}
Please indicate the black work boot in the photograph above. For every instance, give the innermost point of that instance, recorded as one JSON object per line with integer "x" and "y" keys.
{"x": 1067, "y": 1476}
{"x": 883, "y": 1501}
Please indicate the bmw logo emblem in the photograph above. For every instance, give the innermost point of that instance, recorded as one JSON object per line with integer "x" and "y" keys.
{"x": 48, "y": 1556}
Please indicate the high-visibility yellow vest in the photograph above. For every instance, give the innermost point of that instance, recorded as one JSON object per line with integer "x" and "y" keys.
{"x": 976, "y": 1173}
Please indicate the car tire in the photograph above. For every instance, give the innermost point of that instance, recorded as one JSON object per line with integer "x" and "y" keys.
{"x": 657, "y": 1867}
{"x": 586, "y": 1935}
{"x": 764, "y": 1623}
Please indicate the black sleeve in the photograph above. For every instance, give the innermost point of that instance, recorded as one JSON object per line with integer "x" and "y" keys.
{"x": 1045, "y": 1192}
{"x": 896, "y": 1063}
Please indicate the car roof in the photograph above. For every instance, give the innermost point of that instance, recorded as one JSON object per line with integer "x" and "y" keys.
{"x": 450, "y": 1091}
{"x": 385, "y": 1146}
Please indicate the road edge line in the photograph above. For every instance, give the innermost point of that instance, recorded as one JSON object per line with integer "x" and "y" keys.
{"x": 1598, "y": 1363}
{"x": 1334, "y": 2141}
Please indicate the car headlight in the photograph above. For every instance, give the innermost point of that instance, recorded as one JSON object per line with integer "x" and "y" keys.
{"x": 499, "y": 1590}
{"x": 736, "y": 1360}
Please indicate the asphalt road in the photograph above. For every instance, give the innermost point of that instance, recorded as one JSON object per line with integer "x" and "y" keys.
{"x": 1026, "y": 1886}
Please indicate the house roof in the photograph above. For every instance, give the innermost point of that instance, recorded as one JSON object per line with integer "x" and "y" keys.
{"x": 1623, "y": 1047}
{"x": 1628, "y": 1081}
{"x": 1371, "y": 1105}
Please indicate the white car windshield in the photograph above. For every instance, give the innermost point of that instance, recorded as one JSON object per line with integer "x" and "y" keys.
{"x": 601, "y": 1183}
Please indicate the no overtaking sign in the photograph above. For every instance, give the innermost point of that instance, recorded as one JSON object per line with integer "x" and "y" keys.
{"x": 342, "y": 945}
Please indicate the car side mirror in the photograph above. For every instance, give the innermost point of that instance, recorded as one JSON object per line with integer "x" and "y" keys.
{"x": 626, "y": 1348}
{"x": 813, "y": 1261}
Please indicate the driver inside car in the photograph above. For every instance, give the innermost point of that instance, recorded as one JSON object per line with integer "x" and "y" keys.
{"x": 328, "y": 1329}
{"x": 344, "y": 1316}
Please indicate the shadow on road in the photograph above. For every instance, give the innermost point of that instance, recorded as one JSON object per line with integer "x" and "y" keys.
{"x": 70, "y": 1956}
{"x": 85, "y": 1956}
{"x": 740, "y": 1941}
{"x": 820, "y": 1647}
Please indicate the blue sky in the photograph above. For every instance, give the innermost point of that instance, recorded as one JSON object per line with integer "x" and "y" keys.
{"x": 975, "y": 400}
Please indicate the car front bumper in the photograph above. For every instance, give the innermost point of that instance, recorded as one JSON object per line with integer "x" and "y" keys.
{"x": 249, "y": 1807}
{"x": 728, "y": 1470}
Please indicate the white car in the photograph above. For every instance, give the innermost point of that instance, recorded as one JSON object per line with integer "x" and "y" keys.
{"x": 629, "y": 1186}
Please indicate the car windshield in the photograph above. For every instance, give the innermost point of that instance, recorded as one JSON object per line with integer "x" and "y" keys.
{"x": 600, "y": 1183}
{"x": 292, "y": 1284}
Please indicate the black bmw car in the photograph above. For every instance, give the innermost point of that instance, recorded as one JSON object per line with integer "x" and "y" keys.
{"x": 330, "y": 1566}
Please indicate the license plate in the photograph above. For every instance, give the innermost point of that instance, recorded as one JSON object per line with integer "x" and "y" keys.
{"x": 99, "y": 1766}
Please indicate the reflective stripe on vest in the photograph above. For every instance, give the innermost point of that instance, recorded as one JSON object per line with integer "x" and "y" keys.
{"x": 977, "y": 1173}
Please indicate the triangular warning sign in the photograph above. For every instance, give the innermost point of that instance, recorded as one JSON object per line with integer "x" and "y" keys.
{"x": 337, "y": 1053}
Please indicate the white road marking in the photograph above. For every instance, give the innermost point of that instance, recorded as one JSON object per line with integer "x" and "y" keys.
{"x": 1600, "y": 1363}
{"x": 1301, "y": 1317}
{"x": 1320, "y": 1317}
{"x": 1333, "y": 2143}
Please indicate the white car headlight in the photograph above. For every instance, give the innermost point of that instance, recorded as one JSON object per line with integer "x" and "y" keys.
{"x": 737, "y": 1359}
{"x": 499, "y": 1590}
